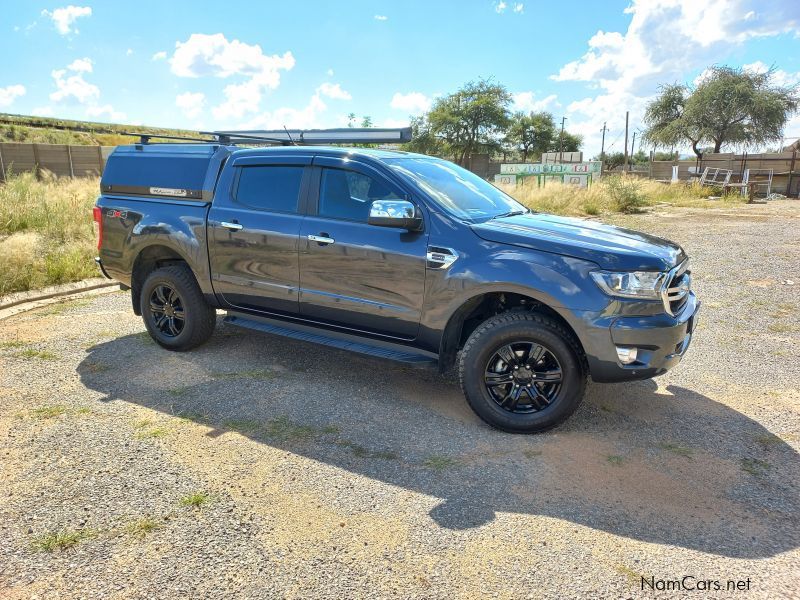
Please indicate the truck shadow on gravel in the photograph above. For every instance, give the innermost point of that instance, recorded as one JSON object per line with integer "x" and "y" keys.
{"x": 669, "y": 467}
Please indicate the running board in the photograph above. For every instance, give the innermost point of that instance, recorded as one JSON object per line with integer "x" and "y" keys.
{"x": 343, "y": 341}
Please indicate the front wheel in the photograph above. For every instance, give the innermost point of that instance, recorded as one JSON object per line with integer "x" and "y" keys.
{"x": 522, "y": 372}
{"x": 175, "y": 313}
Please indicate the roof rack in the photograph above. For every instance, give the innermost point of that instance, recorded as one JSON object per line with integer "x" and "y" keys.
{"x": 293, "y": 137}
{"x": 343, "y": 135}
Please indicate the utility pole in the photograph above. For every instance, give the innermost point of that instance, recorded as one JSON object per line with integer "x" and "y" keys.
{"x": 561, "y": 142}
{"x": 625, "y": 167}
{"x": 603, "y": 143}
{"x": 633, "y": 144}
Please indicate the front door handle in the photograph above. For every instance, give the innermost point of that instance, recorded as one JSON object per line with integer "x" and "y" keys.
{"x": 322, "y": 240}
{"x": 231, "y": 226}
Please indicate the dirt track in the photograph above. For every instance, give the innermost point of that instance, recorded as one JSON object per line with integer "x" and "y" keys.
{"x": 333, "y": 475}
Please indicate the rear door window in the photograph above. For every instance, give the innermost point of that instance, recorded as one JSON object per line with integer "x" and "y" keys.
{"x": 274, "y": 188}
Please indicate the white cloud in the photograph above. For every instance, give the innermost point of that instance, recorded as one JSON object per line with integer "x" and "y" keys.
{"x": 42, "y": 111}
{"x": 10, "y": 93}
{"x": 160, "y": 55}
{"x": 519, "y": 8}
{"x": 330, "y": 72}
{"x": 74, "y": 85}
{"x": 191, "y": 103}
{"x": 665, "y": 39}
{"x": 205, "y": 55}
{"x": 500, "y": 7}
{"x": 307, "y": 117}
{"x": 334, "y": 91}
{"x": 527, "y": 102}
{"x": 779, "y": 76}
{"x": 413, "y": 103}
{"x": 81, "y": 65}
{"x": 98, "y": 112}
{"x": 381, "y": 18}
{"x": 63, "y": 18}
{"x": 394, "y": 123}
{"x": 129, "y": 51}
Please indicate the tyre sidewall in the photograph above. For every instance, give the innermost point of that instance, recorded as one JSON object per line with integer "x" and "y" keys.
{"x": 188, "y": 298}
{"x": 572, "y": 387}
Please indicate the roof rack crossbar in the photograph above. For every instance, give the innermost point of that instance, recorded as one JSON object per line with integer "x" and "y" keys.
{"x": 144, "y": 138}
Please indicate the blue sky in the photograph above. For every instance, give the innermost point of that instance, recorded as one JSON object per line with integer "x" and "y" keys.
{"x": 309, "y": 64}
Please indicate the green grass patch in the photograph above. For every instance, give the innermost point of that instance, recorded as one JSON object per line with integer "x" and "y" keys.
{"x": 13, "y": 344}
{"x": 179, "y": 391}
{"x": 195, "y": 500}
{"x": 39, "y": 354}
{"x": 95, "y": 367}
{"x": 439, "y": 462}
{"x": 61, "y": 307}
{"x": 677, "y": 449}
{"x": 531, "y": 453}
{"x": 283, "y": 429}
{"x": 615, "y": 459}
{"x": 60, "y": 540}
{"x": 362, "y": 452}
{"x": 141, "y": 527}
{"x": 48, "y": 412}
{"x": 754, "y": 466}
{"x": 158, "y": 432}
{"x": 245, "y": 426}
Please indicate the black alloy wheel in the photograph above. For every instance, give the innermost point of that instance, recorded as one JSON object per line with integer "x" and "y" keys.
{"x": 169, "y": 315}
{"x": 523, "y": 377}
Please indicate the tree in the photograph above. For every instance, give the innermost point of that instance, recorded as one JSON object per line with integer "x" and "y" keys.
{"x": 422, "y": 138}
{"x": 471, "y": 119}
{"x": 572, "y": 142}
{"x": 729, "y": 107}
{"x": 531, "y": 133}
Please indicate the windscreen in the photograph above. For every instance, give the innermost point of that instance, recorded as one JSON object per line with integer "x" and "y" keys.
{"x": 460, "y": 192}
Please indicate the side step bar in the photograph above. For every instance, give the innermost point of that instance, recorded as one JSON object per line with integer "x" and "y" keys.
{"x": 335, "y": 339}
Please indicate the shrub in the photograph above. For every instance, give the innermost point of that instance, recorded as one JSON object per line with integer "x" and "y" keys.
{"x": 625, "y": 193}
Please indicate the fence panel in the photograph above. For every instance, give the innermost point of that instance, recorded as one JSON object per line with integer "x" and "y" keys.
{"x": 59, "y": 159}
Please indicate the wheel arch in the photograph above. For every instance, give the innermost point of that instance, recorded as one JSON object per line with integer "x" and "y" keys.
{"x": 484, "y": 305}
{"x": 149, "y": 259}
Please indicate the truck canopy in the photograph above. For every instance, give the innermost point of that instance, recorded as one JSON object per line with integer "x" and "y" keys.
{"x": 181, "y": 171}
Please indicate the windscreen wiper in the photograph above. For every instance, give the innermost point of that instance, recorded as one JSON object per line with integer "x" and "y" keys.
{"x": 512, "y": 213}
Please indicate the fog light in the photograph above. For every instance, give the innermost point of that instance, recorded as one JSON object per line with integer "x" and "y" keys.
{"x": 626, "y": 355}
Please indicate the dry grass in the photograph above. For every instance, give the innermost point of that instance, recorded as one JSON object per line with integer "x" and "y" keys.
{"x": 46, "y": 231}
{"x": 613, "y": 194}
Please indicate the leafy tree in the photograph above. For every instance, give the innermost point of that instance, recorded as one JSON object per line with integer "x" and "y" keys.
{"x": 665, "y": 156}
{"x": 613, "y": 160}
{"x": 473, "y": 118}
{"x": 572, "y": 142}
{"x": 422, "y": 138}
{"x": 729, "y": 107}
{"x": 531, "y": 133}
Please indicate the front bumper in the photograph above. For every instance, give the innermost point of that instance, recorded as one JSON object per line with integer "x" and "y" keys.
{"x": 661, "y": 342}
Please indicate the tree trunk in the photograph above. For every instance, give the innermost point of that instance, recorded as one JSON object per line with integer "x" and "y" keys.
{"x": 696, "y": 151}
{"x": 717, "y": 146}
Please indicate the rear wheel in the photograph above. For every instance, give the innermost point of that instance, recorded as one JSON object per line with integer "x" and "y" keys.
{"x": 522, "y": 372}
{"x": 173, "y": 309}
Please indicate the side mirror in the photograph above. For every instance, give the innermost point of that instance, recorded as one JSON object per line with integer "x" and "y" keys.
{"x": 402, "y": 214}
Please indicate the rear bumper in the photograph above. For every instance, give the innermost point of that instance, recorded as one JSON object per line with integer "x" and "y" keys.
{"x": 661, "y": 342}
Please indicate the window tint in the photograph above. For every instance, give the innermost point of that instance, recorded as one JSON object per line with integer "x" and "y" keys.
{"x": 270, "y": 188}
{"x": 348, "y": 195}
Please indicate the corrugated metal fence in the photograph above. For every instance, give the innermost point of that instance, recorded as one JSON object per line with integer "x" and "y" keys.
{"x": 59, "y": 159}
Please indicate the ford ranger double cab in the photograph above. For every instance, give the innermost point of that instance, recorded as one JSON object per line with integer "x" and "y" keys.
{"x": 397, "y": 255}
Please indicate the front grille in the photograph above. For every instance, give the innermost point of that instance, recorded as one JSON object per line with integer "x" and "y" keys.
{"x": 675, "y": 291}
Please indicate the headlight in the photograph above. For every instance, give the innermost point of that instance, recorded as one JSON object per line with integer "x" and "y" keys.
{"x": 634, "y": 284}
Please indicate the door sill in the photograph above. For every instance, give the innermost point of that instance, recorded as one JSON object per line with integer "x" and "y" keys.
{"x": 336, "y": 339}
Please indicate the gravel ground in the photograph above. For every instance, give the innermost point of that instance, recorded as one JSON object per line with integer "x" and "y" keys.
{"x": 261, "y": 467}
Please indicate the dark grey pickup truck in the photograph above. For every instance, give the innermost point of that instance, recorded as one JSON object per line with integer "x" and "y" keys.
{"x": 396, "y": 255}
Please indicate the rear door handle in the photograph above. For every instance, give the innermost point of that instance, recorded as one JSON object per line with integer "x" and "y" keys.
{"x": 231, "y": 226}
{"x": 321, "y": 239}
